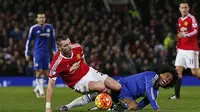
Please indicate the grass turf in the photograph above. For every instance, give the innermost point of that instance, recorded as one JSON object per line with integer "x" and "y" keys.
{"x": 21, "y": 99}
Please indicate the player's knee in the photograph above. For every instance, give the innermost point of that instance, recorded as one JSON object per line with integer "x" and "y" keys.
{"x": 194, "y": 71}
{"x": 133, "y": 107}
{"x": 100, "y": 86}
{"x": 179, "y": 69}
{"x": 38, "y": 73}
{"x": 117, "y": 87}
{"x": 113, "y": 84}
{"x": 45, "y": 72}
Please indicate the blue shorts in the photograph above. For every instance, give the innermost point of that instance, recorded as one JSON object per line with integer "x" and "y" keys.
{"x": 41, "y": 60}
{"x": 124, "y": 93}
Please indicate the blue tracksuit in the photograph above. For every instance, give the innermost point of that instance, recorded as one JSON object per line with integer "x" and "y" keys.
{"x": 140, "y": 85}
{"x": 42, "y": 36}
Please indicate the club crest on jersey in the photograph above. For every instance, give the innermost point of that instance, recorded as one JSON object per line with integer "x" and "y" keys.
{"x": 185, "y": 23}
{"x": 78, "y": 56}
{"x": 48, "y": 30}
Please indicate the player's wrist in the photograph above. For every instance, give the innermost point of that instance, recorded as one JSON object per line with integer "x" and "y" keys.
{"x": 48, "y": 104}
{"x": 185, "y": 35}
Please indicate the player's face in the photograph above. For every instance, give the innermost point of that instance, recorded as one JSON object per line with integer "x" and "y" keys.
{"x": 165, "y": 79}
{"x": 41, "y": 19}
{"x": 66, "y": 46}
{"x": 184, "y": 9}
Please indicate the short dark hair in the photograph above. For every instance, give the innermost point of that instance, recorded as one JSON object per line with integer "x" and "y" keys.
{"x": 39, "y": 13}
{"x": 184, "y": 2}
{"x": 167, "y": 68}
{"x": 61, "y": 37}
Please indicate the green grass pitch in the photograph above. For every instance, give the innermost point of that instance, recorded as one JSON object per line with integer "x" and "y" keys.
{"x": 21, "y": 99}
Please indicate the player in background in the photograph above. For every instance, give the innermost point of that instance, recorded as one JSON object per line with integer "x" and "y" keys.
{"x": 187, "y": 46}
{"x": 43, "y": 35}
{"x": 70, "y": 65}
{"x": 145, "y": 84}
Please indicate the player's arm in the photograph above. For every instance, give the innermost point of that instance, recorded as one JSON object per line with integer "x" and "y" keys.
{"x": 28, "y": 44}
{"x": 53, "y": 74}
{"x": 143, "y": 103}
{"x": 53, "y": 35}
{"x": 83, "y": 56}
{"x": 49, "y": 94}
{"x": 151, "y": 93}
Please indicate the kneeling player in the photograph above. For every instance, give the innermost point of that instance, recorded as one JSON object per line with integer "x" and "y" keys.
{"x": 145, "y": 84}
{"x": 70, "y": 65}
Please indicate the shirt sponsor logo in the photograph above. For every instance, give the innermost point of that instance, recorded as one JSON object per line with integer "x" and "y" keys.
{"x": 45, "y": 34}
{"x": 183, "y": 29}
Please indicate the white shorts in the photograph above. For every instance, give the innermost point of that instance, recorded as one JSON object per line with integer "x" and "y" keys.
{"x": 187, "y": 58}
{"x": 92, "y": 75}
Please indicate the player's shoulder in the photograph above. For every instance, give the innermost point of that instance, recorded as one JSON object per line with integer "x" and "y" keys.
{"x": 76, "y": 45}
{"x": 49, "y": 25}
{"x": 56, "y": 61}
{"x": 34, "y": 26}
{"x": 149, "y": 73}
{"x": 192, "y": 17}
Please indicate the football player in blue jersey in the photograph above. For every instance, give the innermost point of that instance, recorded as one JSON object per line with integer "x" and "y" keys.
{"x": 146, "y": 85}
{"x": 43, "y": 35}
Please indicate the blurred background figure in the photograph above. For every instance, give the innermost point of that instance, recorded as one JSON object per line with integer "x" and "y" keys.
{"x": 43, "y": 35}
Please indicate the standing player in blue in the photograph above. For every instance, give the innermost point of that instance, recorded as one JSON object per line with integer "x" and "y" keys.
{"x": 145, "y": 84}
{"x": 44, "y": 36}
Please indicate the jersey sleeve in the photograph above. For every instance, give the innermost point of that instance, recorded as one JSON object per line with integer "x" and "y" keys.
{"x": 28, "y": 42}
{"x": 194, "y": 27}
{"x": 53, "y": 35}
{"x": 79, "y": 48}
{"x": 55, "y": 67}
{"x": 143, "y": 103}
{"x": 151, "y": 92}
{"x": 178, "y": 39}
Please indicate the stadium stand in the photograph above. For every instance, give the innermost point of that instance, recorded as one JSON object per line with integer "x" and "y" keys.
{"x": 116, "y": 42}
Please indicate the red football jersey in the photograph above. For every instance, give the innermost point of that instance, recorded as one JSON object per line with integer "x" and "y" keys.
{"x": 72, "y": 69}
{"x": 189, "y": 26}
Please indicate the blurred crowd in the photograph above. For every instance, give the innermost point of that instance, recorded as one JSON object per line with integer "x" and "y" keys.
{"x": 116, "y": 42}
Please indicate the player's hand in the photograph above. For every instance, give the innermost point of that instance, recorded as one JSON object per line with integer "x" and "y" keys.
{"x": 54, "y": 53}
{"x": 180, "y": 34}
{"x": 27, "y": 58}
{"x": 158, "y": 110}
{"x": 48, "y": 110}
{"x": 180, "y": 76}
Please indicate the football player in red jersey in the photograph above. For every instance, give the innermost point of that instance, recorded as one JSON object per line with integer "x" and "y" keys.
{"x": 70, "y": 65}
{"x": 187, "y": 46}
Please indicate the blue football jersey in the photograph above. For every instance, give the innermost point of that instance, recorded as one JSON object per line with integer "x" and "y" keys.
{"x": 42, "y": 36}
{"x": 141, "y": 85}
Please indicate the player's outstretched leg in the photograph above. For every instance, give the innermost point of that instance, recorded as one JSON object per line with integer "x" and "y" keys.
{"x": 85, "y": 99}
{"x": 63, "y": 108}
